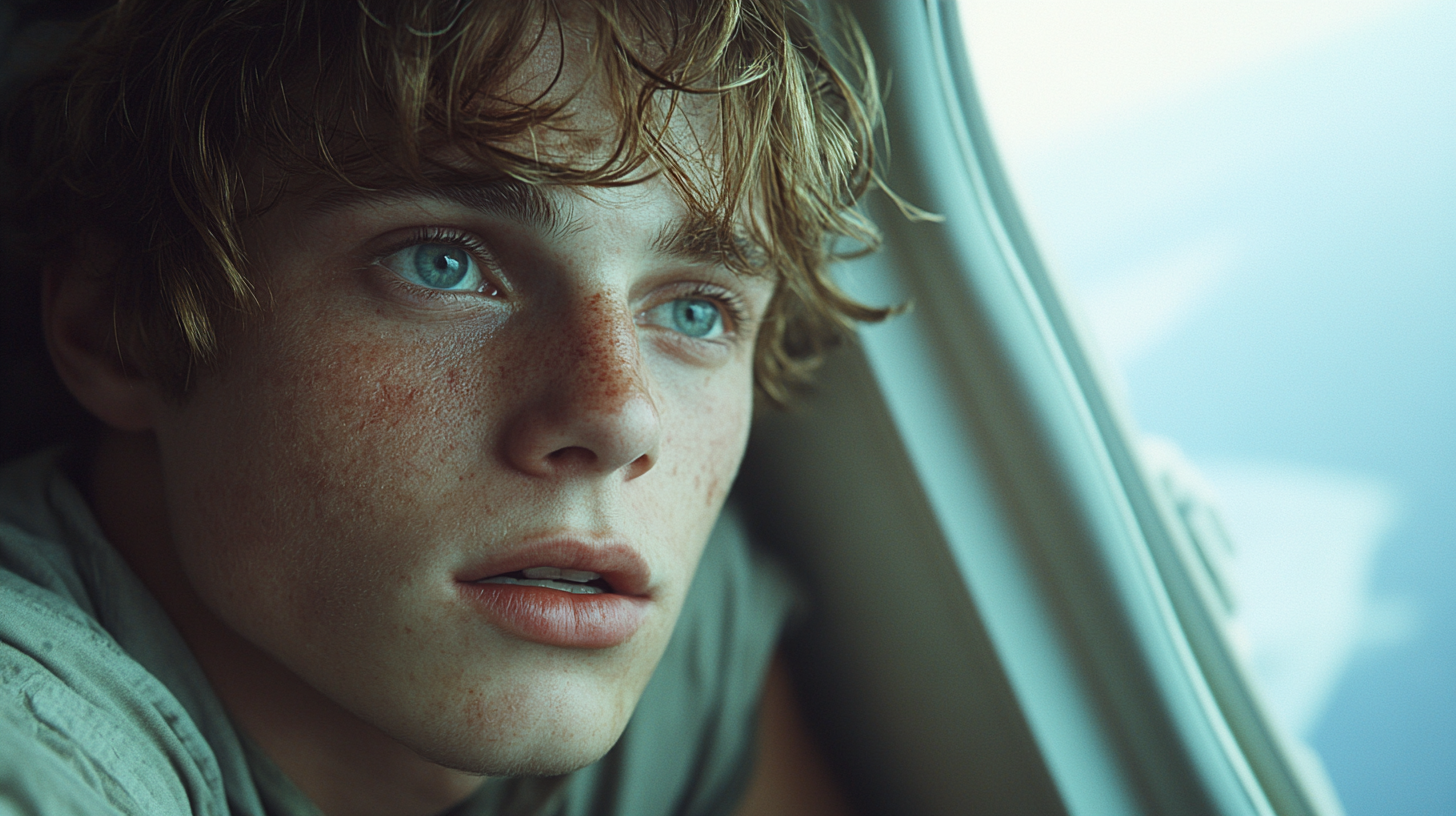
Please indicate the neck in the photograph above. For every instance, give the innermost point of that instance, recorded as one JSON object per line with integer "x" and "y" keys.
{"x": 346, "y": 766}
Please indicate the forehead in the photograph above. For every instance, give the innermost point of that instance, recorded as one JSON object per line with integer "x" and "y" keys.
{"x": 567, "y": 73}
{"x": 581, "y": 128}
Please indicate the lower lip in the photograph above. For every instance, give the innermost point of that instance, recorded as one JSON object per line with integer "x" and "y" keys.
{"x": 555, "y": 618}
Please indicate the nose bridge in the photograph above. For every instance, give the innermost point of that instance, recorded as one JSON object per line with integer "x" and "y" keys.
{"x": 605, "y": 361}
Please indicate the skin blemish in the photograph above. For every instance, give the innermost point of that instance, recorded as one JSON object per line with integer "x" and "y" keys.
{"x": 390, "y": 405}
{"x": 609, "y": 352}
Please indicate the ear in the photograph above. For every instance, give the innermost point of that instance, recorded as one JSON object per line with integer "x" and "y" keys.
{"x": 80, "y": 332}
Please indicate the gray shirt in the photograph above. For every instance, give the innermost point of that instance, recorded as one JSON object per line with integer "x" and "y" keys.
{"x": 103, "y": 709}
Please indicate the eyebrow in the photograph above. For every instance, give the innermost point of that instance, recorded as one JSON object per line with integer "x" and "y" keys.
{"x": 694, "y": 238}
{"x": 704, "y": 240}
{"x": 508, "y": 198}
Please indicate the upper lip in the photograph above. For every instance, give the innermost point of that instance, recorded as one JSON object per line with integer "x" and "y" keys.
{"x": 616, "y": 561}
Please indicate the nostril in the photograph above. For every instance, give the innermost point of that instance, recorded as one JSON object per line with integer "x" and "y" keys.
{"x": 573, "y": 455}
{"x": 576, "y": 457}
{"x": 640, "y": 465}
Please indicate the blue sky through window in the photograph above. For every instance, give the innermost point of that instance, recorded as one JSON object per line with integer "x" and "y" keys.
{"x": 1255, "y": 205}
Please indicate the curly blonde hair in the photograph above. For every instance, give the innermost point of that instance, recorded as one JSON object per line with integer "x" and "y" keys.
{"x": 144, "y": 133}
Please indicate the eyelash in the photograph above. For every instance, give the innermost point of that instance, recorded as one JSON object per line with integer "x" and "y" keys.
{"x": 484, "y": 258}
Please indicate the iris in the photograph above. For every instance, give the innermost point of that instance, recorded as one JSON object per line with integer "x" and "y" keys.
{"x": 695, "y": 318}
{"x": 437, "y": 266}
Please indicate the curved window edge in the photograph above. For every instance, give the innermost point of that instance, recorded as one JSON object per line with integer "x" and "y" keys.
{"x": 1087, "y": 582}
{"x": 1171, "y": 520}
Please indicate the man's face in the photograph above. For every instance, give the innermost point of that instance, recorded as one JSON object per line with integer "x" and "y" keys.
{"x": 461, "y": 384}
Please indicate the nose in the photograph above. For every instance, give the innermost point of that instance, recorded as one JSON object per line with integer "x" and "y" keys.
{"x": 594, "y": 412}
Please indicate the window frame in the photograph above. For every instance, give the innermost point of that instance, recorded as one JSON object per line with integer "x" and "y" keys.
{"x": 1079, "y": 567}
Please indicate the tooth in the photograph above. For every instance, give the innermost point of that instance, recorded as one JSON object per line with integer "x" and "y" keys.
{"x": 579, "y": 576}
{"x": 574, "y": 589}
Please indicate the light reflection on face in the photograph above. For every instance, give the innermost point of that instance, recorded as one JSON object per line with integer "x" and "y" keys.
{"x": 437, "y": 384}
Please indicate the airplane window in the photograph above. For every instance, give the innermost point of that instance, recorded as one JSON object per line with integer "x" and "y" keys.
{"x": 1252, "y": 203}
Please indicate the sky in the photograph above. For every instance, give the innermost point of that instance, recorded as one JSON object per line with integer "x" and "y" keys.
{"x": 1250, "y": 203}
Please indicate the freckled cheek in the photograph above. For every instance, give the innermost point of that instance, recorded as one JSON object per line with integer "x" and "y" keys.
{"x": 330, "y": 463}
{"x": 392, "y": 407}
{"x": 704, "y": 433}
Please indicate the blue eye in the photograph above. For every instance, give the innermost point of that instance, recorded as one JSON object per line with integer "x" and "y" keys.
{"x": 693, "y": 317}
{"x": 437, "y": 266}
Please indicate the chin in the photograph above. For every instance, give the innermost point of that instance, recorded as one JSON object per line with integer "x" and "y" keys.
{"x": 551, "y": 754}
{"x": 542, "y": 731}
{"x": 554, "y": 761}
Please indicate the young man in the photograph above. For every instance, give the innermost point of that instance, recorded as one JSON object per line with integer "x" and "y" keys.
{"x": 422, "y": 339}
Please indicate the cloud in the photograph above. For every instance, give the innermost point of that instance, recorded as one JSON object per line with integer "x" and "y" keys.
{"x": 1133, "y": 312}
{"x": 1304, "y": 545}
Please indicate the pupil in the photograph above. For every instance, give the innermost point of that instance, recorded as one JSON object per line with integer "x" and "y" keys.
{"x": 441, "y": 267}
{"x": 696, "y": 318}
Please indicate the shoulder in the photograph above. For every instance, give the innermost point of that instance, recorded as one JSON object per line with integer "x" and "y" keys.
{"x": 75, "y": 711}
{"x": 84, "y": 728}
{"x": 35, "y": 522}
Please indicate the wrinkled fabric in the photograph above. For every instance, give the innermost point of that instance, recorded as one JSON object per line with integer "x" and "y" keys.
{"x": 104, "y": 711}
